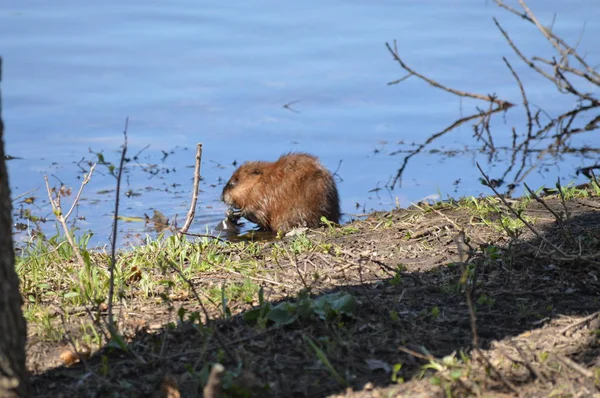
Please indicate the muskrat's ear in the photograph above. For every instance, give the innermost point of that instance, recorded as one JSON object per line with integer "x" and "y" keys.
{"x": 256, "y": 171}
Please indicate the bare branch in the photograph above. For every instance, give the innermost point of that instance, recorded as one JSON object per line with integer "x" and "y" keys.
{"x": 525, "y": 101}
{"x": 394, "y": 52}
{"x": 561, "y": 46}
{"x": 398, "y": 177}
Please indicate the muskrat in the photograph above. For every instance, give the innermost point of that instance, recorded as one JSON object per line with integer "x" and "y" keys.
{"x": 294, "y": 191}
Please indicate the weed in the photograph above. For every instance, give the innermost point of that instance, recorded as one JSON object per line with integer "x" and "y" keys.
{"x": 327, "y": 307}
{"x": 301, "y": 244}
{"x": 397, "y": 279}
{"x": 325, "y": 361}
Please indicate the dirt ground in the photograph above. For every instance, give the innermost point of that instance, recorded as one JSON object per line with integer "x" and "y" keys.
{"x": 414, "y": 274}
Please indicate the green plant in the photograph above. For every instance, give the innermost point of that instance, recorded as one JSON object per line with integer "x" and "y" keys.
{"x": 327, "y": 307}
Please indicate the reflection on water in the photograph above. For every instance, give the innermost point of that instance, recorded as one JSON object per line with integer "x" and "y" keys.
{"x": 221, "y": 74}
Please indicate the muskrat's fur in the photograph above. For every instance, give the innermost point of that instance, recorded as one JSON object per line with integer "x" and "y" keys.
{"x": 294, "y": 191}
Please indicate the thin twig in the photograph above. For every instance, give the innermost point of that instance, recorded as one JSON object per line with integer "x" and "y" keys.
{"x": 203, "y": 236}
{"x": 509, "y": 8}
{"x": 62, "y": 219}
{"x": 562, "y": 83}
{"x": 432, "y": 359}
{"x": 591, "y": 75}
{"x": 541, "y": 201}
{"x": 503, "y": 379}
{"x": 523, "y": 361}
{"x": 530, "y": 63}
{"x": 545, "y": 31}
{"x": 575, "y": 366}
{"x": 415, "y": 353}
{"x": 270, "y": 281}
{"x": 86, "y": 179}
{"x": 113, "y": 246}
{"x": 579, "y": 323}
{"x": 395, "y": 54}
{"x": 398, "y": 177}
{"x": 192, "y": 210}
{"x": 516, "y": 214}
{"x": 525, "y": 101}
{"x": 559, "y": 219}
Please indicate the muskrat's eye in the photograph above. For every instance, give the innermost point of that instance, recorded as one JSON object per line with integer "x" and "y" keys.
{"x": 256, "y": 171}
{"x": 231, "y": 183}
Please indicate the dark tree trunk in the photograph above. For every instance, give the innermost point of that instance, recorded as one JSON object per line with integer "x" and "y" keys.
{"x": 13, "y": 375}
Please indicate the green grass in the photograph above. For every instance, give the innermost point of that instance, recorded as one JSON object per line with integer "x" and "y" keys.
{"x": 227, "y": 276}
{"x": 52, "y": 278}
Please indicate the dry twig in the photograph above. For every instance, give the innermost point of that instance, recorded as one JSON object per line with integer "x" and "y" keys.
{"x": 398, "y": 177}
{"x": 62, "y": 219}
{"x": 192, "y": 210}
{"x": 579, "y": 323}
{"x": 113, "y": 247}
{"x": 412, "y": 72}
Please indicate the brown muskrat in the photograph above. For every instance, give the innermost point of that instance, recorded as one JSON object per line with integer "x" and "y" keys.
{"x": 294, "y": 191}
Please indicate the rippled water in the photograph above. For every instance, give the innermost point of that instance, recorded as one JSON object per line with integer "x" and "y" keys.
{"x": 220, "y": 73}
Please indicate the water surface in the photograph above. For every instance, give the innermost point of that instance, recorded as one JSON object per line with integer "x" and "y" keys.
{"x": 220, "y": 73}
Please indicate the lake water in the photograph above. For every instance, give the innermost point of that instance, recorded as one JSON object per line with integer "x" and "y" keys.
{"x": 220, "y": 73}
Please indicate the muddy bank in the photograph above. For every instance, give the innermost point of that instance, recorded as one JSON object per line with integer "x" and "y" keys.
{"x": 461, "y": 298}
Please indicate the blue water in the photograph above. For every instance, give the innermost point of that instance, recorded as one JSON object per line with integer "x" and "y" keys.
{"x": 220, "y": 73}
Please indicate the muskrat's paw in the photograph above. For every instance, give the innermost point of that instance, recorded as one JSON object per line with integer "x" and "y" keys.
{"x": 233, "y": 215}
{"x": 231, "y": 221}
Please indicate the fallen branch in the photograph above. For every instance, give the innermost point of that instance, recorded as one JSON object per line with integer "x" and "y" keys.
{"x": 575, "y": 366}
{"x": 577, "y": 324}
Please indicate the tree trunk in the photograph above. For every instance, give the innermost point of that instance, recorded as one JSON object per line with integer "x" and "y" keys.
{"x": 13, "y": 332}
